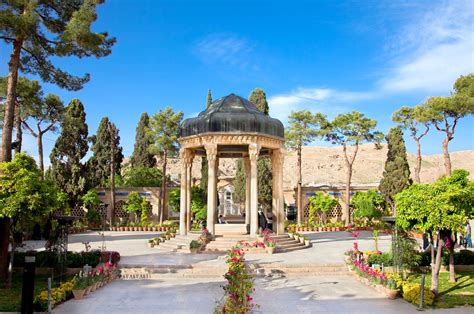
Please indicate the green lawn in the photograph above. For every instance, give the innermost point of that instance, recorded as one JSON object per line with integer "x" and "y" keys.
{"x": 460, "y": 293}
{"x": 10, "y": 299}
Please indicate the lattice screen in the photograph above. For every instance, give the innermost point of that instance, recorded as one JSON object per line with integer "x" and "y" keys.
{"x": 118, "y": 209}
{"x": 78, "y": 211}
{"x": 335, "y": 212}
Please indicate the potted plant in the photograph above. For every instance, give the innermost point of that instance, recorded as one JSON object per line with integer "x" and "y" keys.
{"x": 260, "y": 237}
{"x": 151, "y": 243}
{"x": 391, "y": 289}
{"x": 194, "y": 246}
{"x": 307, "y": 241}
{"x": 80, "y": 285}
{"x": 302, "y": 239}
{"x": 270, "y": 245}
{"x": 296, "y": 236}
{"x": 163, "y": 237}
{"x": 291, "y": 234}
{"x": 157, "y": 240}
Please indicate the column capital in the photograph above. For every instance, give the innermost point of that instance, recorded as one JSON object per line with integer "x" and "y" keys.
{"x": 211, "y": 152}
{"x": 254, "y": 150}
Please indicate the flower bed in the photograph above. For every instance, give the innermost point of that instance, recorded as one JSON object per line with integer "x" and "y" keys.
{"x": 239, "y": 287}
{"x": 82, "y": 284}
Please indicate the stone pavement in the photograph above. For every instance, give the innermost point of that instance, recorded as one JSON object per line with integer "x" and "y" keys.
{"x": 335, "y": 294}
{"x": 179, "y": 290}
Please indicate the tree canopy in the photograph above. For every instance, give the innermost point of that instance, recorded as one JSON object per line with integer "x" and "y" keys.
{"x": 141, "y": 156}
{"x": 99, "y": 164}
{"x": 396, "y": 175}
{"x": 259, "y": 98}
{"x": 71, "y": 146}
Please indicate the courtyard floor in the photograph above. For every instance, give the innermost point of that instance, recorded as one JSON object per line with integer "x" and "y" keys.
{"x": 179, "y": 292}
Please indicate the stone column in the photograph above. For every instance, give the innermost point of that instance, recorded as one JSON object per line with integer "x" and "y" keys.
{"x": 278, "y": 200}
{"x": 183, "y": 192}
{"x": 246, "y": 164}
{"x": 211, "y": 152}
{"x": 254, "y": 150}
{"x": 189, "y": 179}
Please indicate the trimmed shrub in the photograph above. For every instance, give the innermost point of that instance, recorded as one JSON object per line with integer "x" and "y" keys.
{"x": 384, "y": 258}
{"x": 411, "y": 293}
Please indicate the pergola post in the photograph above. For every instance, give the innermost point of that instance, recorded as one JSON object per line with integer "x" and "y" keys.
{"x": 246, "y": 162}
{"x": 277, "y": 188}
{"x": 211, "y": 152}
{"x": 189, "y": 178}
{"x": 183, "y": 192}
{"x": 254, "y": 150}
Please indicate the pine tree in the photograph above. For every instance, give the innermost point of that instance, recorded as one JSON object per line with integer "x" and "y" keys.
{"x": 141, "y": 156}
{"x": 258, "y": 97}
{"x": 36, "y": 32}
{"x": 71, "y": 146}
{"x": 164, "y": 131}
{"x": 396, "y": 175}
{"x": 102, "y": 142}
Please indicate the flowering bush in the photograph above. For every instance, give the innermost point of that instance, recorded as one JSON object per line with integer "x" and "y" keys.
{"x": 239, "y": 285}
{"x": 256, "y": 244}
{"x": 58, "y": 295}
{"x": 205, "y": 236}
{"x": 411, "y": 293}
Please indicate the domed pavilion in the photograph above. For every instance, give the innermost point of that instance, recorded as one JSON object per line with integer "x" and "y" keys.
{"x": 232, "y": 127}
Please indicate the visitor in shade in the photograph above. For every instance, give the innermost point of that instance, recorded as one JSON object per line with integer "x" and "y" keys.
{"x": 262, "y": 219}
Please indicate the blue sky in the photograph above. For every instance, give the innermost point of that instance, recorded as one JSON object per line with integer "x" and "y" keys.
{"x": 327, "y": 56}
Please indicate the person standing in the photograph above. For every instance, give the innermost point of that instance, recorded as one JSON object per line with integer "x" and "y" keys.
{"x": 262, "y": 220}
{"x": 468, "y": 239}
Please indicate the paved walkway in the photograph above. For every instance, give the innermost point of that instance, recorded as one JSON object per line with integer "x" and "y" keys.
{"x": 335, "y": 294}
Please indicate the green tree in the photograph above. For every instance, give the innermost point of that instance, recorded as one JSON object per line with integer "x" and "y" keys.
{"x": 142, "y": 177}
{"x": 90, "y": 201}
{"x": 174, "y": 200}
{"x": 71, "y": 146}
{"x": 258, "y": 97}
{"x": 239, "y": 183}
{"x": 445, "y": 112}
{"x": 204, "y": 164}
{"x": 303, "y": 129}
{"x": 36, "y": 32}
{"x": 396, "y": 175}
{"x": 414, "y": 118}
{"x": 440, "y": 208}
{"x": 209, "y": 99}
{"x": 28, "y": 95}
{"x": 24, "y": 196}
{"x": 320, "y": 202}
{"x": 351, "y": 129}
{"x": 102, "y": 145}
{"x": 133, "y": 205}
{"x": 164, "y": 131}
{"x": 141, "y": 156}
{"x": 264, "y": 182}
{"x": 368, "y": 205}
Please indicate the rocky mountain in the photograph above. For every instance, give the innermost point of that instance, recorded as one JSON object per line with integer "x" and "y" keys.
{"x": 326, "y": 165}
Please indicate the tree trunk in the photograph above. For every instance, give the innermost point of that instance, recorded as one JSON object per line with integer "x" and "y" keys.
{"x": 437, "y": 267}
{"x": 12, "y": 81}
{"x": 447, "y": 159}
{"x": 8, "y": 284}
{"x": 163, "y": 188}
{"x": 18, "y": 131}
{"x": 39, "y": 141}
{"x": 299, "y": 191}
{"x": 6, "y": 153}
{"x": 432, "y": 252}
{"x": 346, "y": 210}
{"x": 452, "y": 273}
{"x": 418, "y": 161}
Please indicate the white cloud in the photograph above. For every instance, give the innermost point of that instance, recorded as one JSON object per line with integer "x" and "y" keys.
{"x": 227, "y": 49}
{"x": 433, "y": 51}
{"x": 325, "y": 100}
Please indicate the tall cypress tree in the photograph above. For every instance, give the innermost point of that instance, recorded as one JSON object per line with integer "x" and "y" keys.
{"x": 102, "y": 142}
{"x": 204, "y": 165}
{"x": 396, "y": 175}
{"x": 70, "y": 147}
{"x": 141, "y": 156}
{"x": 258, "y": 97}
